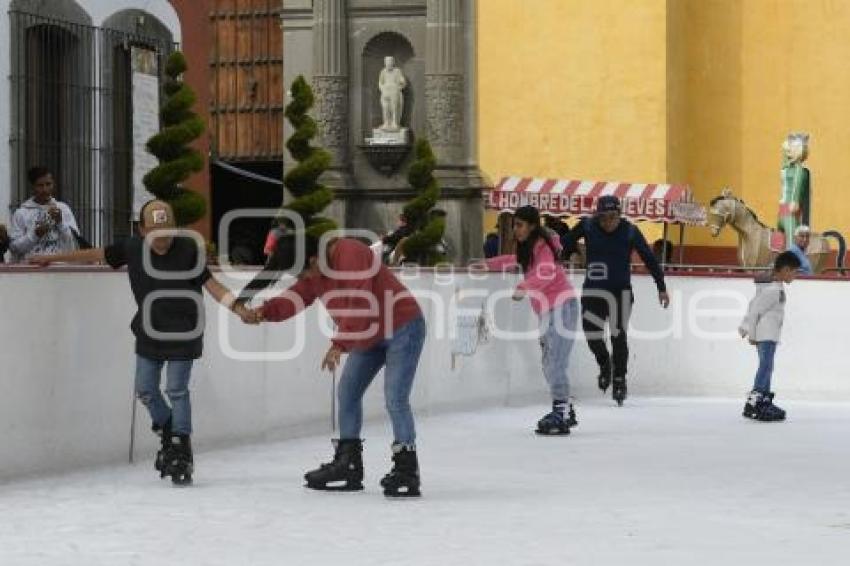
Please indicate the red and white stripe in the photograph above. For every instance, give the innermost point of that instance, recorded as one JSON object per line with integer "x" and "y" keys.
{"x": 585, "y": 190}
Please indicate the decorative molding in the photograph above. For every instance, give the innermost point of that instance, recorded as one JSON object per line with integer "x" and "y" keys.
{"x": 386, "y": 158}
{"x": 444, "y": 95}
{"x": 330, "y": 38}
{"x": 445, "y": 30}
{"x": 403, "y": 194}
{"x": 380, "y": 9}
{"x": 331, "y": 94}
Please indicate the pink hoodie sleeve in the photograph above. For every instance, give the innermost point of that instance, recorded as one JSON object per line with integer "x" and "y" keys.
{"x": 543, "y": 270}
{"x": 501, "y": 262}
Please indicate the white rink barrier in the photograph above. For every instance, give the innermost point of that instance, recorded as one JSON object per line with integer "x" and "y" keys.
{"x": 67, "y": 361}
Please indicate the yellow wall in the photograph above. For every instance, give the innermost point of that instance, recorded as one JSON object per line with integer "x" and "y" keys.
{"x": 695, "y": 91}
{"x": 796, "y": 65}
{"x": 572, "y": 88}
{"x": 704, "y": 89}
{"x": 747, "y": 72}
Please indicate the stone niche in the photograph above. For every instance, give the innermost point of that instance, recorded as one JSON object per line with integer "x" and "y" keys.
{"x": 340, "y": 46}
{"x": 388, "y": 157}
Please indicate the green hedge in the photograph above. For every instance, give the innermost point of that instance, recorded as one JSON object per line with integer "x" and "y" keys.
{"x": 302, "y": 181}
{"x": 177, "y": 160}
{"x": 421, "y": 246}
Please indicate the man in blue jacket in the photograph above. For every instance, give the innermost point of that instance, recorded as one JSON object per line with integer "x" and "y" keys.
{"x": 607, "y": 294}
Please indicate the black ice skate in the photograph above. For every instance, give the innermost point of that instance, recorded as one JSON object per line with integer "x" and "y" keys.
{"x": 605, "y": 376}
{"x": 619, "y": 390}
{"x": 403, "y": 479}
{"x": 571, "y": 417}
{"x": 554, "y": 424}
{"x": 778, "y": 413}
{"x": 177, "y": 460}
{"x": 344, "y": 473}
{"x": 164, "y": 432}
{"x": 760, "y": 407}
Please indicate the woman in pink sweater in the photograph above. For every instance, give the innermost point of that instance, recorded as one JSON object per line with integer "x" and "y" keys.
{"x": 553, "y": 298}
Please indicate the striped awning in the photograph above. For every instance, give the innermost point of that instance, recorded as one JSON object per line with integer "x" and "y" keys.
{"x": 561, "y": 197}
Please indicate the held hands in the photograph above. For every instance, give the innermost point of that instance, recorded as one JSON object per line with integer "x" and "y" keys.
{"x": 664, "y": 299}
{"x": 248, "y": 316}
{"x": 331, "y": 361}
{"x": 41, "y": 230}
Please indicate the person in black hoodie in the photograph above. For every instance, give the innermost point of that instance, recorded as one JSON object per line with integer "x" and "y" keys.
{"x": 168, "y": 274}
{"x": 607, "y": 295}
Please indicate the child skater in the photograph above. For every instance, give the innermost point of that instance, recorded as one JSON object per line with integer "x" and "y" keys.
{"x": 763, "y": 327}
{"x": 168, "y": 328}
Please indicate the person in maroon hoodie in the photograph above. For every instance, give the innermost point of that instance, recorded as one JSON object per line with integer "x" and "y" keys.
{"x": 379, "y": 325}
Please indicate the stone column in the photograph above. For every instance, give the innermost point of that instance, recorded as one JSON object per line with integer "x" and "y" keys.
{"x": 444, "y": 80}
{"x": 330, "y": 78}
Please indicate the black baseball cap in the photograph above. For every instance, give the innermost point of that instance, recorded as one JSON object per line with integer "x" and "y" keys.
{"x": 608, "y": 203}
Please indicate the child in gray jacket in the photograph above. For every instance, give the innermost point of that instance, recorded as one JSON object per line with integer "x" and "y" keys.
{"x": 763, "y": 327}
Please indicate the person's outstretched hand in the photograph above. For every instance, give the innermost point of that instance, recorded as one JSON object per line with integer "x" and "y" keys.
{"x": 40, "y": 260}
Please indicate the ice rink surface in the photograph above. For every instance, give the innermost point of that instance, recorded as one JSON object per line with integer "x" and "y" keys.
{"x": 658, "y": 482}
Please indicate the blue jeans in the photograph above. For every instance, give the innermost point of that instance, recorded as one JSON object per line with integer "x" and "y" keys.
{"x": 767, "y": 352}
{"x": 178, "y": 372}
{"x": 558, "y": 328}
{"x": 400, "y": 355}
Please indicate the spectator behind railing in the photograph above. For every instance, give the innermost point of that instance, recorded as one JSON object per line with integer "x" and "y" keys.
{"x": 4, "y": 242}
{"x": 42, "y": 225}
{"x": 491, "y": 245}
{"x": 663, "y": 251}
{"x": 802, "y": 238}
{"x": 394, "y": 238}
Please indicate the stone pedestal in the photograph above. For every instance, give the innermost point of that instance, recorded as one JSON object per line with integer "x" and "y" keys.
{"x": 389, "y": 137}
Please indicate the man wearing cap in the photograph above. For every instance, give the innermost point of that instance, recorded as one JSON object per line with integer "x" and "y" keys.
{"x": 168, "y": 324}
{"x": 802, "y": 237}
{"x": 607, "y": 294}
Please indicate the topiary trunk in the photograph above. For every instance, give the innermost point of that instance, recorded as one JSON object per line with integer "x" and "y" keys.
{"x": 310, "y": 197}
{"x": 177, "y": 160}
{"x": 422, "y": 246}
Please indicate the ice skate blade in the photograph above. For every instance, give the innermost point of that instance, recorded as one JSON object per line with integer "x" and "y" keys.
{"x": 403, "y": 494}
{"x": 758, "y": 420}
{"x": 552, "y": 432}
{"x": 181, "y": 482}
{"x": 328, "y": 487}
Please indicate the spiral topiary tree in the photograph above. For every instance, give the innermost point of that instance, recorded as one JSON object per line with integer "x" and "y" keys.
{"x": 421, "y": 246}
{"x": 177, "y": 160}
{"x": 302, "y": 181}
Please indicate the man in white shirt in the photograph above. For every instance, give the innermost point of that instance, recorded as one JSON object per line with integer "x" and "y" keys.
{"x": 42, "y": 225}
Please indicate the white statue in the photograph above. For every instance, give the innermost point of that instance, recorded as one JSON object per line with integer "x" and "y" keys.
{"x": 391, "y": 84}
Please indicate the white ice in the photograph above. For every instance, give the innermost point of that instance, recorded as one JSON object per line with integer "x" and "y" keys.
{"x": 658, "y": 482}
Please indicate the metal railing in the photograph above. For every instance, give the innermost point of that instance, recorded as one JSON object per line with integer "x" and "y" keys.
{"x": 70, "y": 92}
